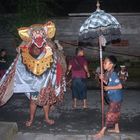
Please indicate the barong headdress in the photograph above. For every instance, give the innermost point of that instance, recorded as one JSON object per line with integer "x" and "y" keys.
{"x": 48, "y": 30}
{"x": 37, "y": 35}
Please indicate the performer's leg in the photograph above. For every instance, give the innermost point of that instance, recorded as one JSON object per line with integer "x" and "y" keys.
{"x": 46, "y": 109}
{"x": 33, "y": 107}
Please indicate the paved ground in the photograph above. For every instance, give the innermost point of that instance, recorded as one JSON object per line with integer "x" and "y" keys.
{"x": 74, "y": 122}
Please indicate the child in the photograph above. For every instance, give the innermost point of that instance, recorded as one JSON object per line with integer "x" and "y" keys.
{"x": 114, "y": 92}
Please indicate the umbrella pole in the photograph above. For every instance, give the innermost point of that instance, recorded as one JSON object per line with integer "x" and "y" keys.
{"x": 101, "y": 69}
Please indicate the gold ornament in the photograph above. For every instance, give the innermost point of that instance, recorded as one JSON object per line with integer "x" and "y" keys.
{"x": 37, "y": 66}
{"x": 24, "y": 34}
{"x": 50, "y": 29}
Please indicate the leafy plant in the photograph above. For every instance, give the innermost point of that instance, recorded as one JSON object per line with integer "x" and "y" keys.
{"x": 29, "y": 12}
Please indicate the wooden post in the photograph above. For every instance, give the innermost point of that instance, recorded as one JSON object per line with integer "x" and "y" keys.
{"x": 101, "y": 70}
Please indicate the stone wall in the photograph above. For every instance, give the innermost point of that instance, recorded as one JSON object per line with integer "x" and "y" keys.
{"x": 68, "y": 28}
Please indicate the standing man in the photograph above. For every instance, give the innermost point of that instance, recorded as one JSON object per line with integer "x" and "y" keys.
{"x": 79, "y": 68}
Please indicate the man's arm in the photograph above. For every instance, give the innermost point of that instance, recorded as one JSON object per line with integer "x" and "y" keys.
{"x": 87, "y": 71}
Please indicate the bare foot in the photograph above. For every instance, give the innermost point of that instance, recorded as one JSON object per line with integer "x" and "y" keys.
{"x": 98, "y": 136}
{"x": 85, "y": 107}
{"x": 114, "y": 131}
{"x": 74, "y": 106}
{"x": 29, "y": 123}
{"x": 50, "y": 122}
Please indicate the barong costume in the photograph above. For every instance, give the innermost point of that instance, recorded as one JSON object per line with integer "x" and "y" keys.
{"x": 38, "y": 69}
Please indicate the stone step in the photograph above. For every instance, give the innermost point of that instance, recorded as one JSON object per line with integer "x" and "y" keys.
{"x": 8, "y": 130}
{"x": 42, "y": 136}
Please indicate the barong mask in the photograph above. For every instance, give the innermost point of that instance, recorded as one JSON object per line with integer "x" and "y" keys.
{"x": 35, "y": 38}
{"x": 48, "y": 31}
{"x": 38, "y": 37}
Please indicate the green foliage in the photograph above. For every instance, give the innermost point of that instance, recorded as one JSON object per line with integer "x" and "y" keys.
{"x": 34, "y": 11}
{"x": 29, "y": 12}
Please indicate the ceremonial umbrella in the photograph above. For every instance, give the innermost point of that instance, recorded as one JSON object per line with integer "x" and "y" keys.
{"x": 100, "y": 27}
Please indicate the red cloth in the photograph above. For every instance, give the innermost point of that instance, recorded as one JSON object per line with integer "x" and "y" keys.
{"x": 77, "y": 64}
{"x": 58, "y": 73}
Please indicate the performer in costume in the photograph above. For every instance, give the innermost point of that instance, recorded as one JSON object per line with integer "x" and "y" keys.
{"x": 38, "y": 70}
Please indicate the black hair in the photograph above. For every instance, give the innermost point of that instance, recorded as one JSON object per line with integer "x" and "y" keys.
{"x": 78, "y": 49}
{"x": 2, "y": 50}
{"x": 112, "y": 59}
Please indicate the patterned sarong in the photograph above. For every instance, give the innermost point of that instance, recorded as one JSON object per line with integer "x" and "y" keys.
{"x": 113, "y": 114}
